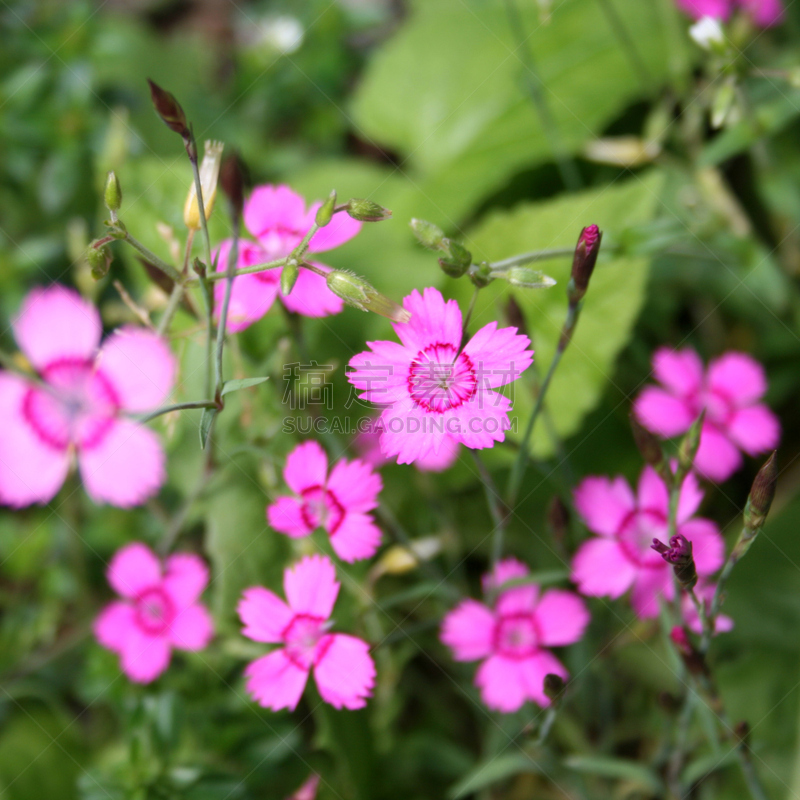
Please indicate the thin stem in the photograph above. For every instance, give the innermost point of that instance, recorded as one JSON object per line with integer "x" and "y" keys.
{"x": 716, "y": 601}
{"x": 179, "y": 520}
{"x": 178, "y": 407}
{"x": 680, "y": 745}
{"x": 468, "y": 315}
{"x": 167, "y": 269}
{"x": 140, "y": 313}
{"x": 532, "y": 257}
{"x": 499, "y": 511}
{"x": 201, "y": 205}
{"x": 221, "y": 276}
{"x": 638, "y": 65}
{"x": 672, "y": 529}
{"x": 233, "y": 256}
{"x": 172, "y": 306}
{"x": 701, "y": 613}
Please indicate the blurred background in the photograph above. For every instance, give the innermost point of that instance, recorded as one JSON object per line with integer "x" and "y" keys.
{"x": 511, "y": 124}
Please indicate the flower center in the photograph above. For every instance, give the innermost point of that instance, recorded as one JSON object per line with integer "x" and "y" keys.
{"x": 305, "y": 639}
{"x": 80, "y": 406}
{"x": 154, "y": 610}
{"x": 637, "y": 533}
{"x": 322, "y": 509}
{"x": 441, "y": 378}
{"x": 516, "y": 636}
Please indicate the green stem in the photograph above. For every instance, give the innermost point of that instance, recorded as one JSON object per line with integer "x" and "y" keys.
{"x": 499, "y": 511}
{"x": 221, "y": 276}
{"x": 468, "y": 315}
{"x": 701, "y": 613}
{"x": 172, "y": 306}
{"x": 532, "y": 257}
{"x": 167, "y": 269}
{"x": 177, "y": 407}
{"x": 233, "y": 256}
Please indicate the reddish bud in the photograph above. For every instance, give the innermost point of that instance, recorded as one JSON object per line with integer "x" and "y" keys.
{"x": 679, "y": 554}
{"x": 231, "y": 178}
{"x": 761, "y": 495}
{"x": 583, "y": 262}
{"x": 169, "y": 109}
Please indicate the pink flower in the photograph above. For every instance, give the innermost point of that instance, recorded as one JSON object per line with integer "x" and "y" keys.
{"x": 368, "y": 445}
{"x": 510, "y": 637}
{"x": 764, "y": 13}
{"x": 159, "y": 610}
{"x": 729, "y": 391}
{"x": 343, "y": 668}
{"x": 81, "y": 405}
{"x": 705, "y": 594}
{"x": 434, "y": 389}
{"x": 338, "y": 502}
{"x": 277, "y": 217}
{"x": 621, "y": 557}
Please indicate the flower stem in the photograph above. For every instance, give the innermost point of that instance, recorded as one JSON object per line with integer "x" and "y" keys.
{"x": 166, "y": 268}
{"x": 499, "y": 511}
{"x": 701, "y": 613}
{"x": 172, "y": 306}
{"x": 468, "y": 315}
{"x": 532, "y": 257}
{"x": 233, "y": 256}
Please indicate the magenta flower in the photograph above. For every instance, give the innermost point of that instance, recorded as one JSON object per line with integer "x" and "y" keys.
{"x": 764, "y": 13}
{"x": 338, "y": 502}
{"x": 705, "y": 594}
{"x": 277, "y": 218}
{"x": 434, "y": 389}
{"x": 159, "y": 610}
{"x": 343, "y": 669}
{"x": 729, "y": 391}
{"x": 510, "y": 637}
{"x": 79, "y": 405}
{"x": 626, "y": 525}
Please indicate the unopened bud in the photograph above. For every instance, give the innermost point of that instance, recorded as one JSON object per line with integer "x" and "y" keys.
{"x": 199, "y": 267}
{"x": 209, "y": 173}
{"x": 583, "y": 262}
{"x": 325, "y": 211}
{"x": 363, "y": 295}
{"x": 707, "y": 33}
{"x": 761, "y": 495}
{"x": 428, "y": 234}
{"x": 366, "y": 210}
{"x": 649, "y": 446}
{"x": 169, "y": 109}
{"x": 688, "y": 447}
{"x": 113, "y": 193}
{"x": 525, "y": 278}
{"x": 456, "y": 259}
{"x": 99, "y": 259}
{"x": 679, "y": 554}
{"x": 553, "y": 686}
{"x": 558, "y": 518}
{"x": 289, "y": 275}
{"x": 231, "y": 179}
{"x": 480, "y": 274}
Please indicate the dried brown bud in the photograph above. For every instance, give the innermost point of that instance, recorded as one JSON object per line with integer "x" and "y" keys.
{"x": 169, "y": 109}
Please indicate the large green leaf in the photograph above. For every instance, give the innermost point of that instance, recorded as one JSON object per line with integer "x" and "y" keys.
{"x": 450, "y": 90}
{"x": 610, "y": 308}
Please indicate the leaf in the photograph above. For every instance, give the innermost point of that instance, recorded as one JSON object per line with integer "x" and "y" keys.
{"x": 242, "y": 383}
{"x": 620, "y": 768}
{"x": 705, "y": 765}
{"x": 611, "y": 306}
{"x": 206, "y": 422}
{"x": 492, "y": 771}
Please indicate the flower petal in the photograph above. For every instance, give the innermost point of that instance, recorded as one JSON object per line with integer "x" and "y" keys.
{"x": 139, "y": 365}
{"x": 185, "y": 578}
{"x": 306, "y": 466}
{"x": 275, "y": 208}
{"x": 311, "y": 296}
{"x": 499, "y": 356}
{"x": 126, "y": 467}
{"x": 680, "y": 371}
{"x": 738, "y": 378}
{"x": 356, "y": 538}
{"x": 717, "y": 457}
{"x": 439, "y": 462}
{"x": 381, "y": 372}
{"x": 355, "y": 485}
{"x": 468, "y": 630}
{"x": 649, "y": 588}
{"x": 535, "y": 669}
{"x": 286, "y": 516}
{"x": 133, "y": 569}
{"x": 652, "y": 494}
{"x": 482, "y": 421}
{"x": 113, "y": 625}
{"x": 311, "y": 587}
{"x": 601, "y": 569}
{"x": 765, "y": 13}
{"x": 339, "y": 230}
{"x": 144, "y": 657}
{"x": 708, "y": 546}
{"x": 345, "y": 673}
{"x": 264, "y": 615}
{"x": 505, "y": 570}
{"x": 755, "y": 429}
{"x": 561, "y": 617}
{"x": 432, "y": 320}
{"x": 663, "y": 413}
{"x": 31, "y": 469}
{"x": 604, "y": 504}
{"x": 192, "y": 628}
{"x": 56, "y": 323}
{"x": 691, "y": 497}
{"x": 502, "y": 683}
{"x": 275, "y": 681}
{"x": 719, "y": 9}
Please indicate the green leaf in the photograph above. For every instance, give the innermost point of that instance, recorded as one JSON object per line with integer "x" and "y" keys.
{"x": 206, "y": 422}
{"x": 620, "y": 768}
{"x": 705, "y": 765}
{"x": 492, "y": 771}
{"x": 612, "y": 303}
{"x": 242, "y": 383}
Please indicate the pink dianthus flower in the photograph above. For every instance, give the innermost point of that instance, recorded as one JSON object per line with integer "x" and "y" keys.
{"x": 79, "y": 405}
{"x": 511, "y": 636}
{"x": 343, "y": 668}
{"x": 277, "y": 218}
{"x": 338, "y": 502}
{"x": 764, "y": 13}
{"x": 621, "y": 557}
{"x": 159, "y": 610}
{"x": 434, "y": 389}
{"x": 729, "y": 391}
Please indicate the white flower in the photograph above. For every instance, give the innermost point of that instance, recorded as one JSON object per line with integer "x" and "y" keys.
{"x": 707, "y": 32}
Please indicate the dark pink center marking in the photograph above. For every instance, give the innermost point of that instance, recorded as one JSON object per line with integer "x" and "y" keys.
{"x": 322, "y": 509}
{"x": 154, "y": 610}
{"x": 516, "y": 635}
{"x": 441, "y": 378}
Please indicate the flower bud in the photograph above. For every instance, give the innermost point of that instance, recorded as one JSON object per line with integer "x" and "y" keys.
{"x": 558, "y": 519}
{"x": 480, "y": 274}
{"x": 515, "y": 317}
{"x": 99, "y": 259}
{"x": 761, "y": 495}
{"x": 360, "y": 294}
{"x": 289, "y": 275}
{"x": 169, "y": 109}
{"x": 231, "y": 179}
{"x": 688, "y": 447}
{"x": 428, "y": 234}
{"x": 325, "y": 211}
{"x": 679, "y": 554}
{"x": 553, "y": 686}
{"x": 583, "y": 262}
{"x": 366, "y": 210}
{"x": 113, "y": 193}
{"x": 209, "y": 173}
{"x": 456, "y": 259}
{"x": 707, "y": 33}
{"x": 525, "y": 278}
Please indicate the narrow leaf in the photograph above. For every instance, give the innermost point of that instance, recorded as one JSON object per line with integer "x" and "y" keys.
{"x": 243, "y": 383}
{"x": 206, "y": 421}
{"x": 615, "y": 768}
{"x": 492, "y": 771}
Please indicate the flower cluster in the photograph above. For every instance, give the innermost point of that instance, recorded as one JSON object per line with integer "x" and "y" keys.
{"x": 764, "y": 13}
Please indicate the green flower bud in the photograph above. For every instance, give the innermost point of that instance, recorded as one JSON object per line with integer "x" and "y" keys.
{"x": 289, "y": 276}
{"x": 113, "y": 193}
{"x": 360, "y": 294}
{"x": 688, "y": 448}
{"x": 366, "y": 210}
{"x": 99, "y": 259}
{"x": 325, "y": 211}
{"x": 428, "y": 234}
{"x": 480, "y": 274}
{"x": 525, "y": 278}
{"x": 761, "y": 495}
{"x": 456, "y": 259}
